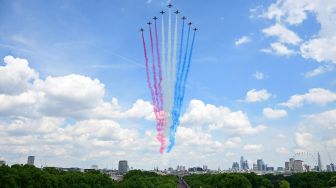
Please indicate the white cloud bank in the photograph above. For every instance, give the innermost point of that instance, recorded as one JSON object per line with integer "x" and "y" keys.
{"x": 320, "y": 47}
{"x": 243, "y": 40}
{"x": 254, "y": 95}
{"x": 318, "y": 96}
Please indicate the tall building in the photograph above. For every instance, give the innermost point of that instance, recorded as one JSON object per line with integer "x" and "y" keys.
{"x": 291, "y": 164}
{"x": 287, "y": 168}
{"x": 331, "y": 168}
{"x": 261, "y": 165}
{"x": 2, "y": 163}
{"x": 123, "y": 167}
{"x": 298, "y": 166}
{"x": 242, "y": 163}
{"x": 205, "y": 167}
{"x": 30, "y": 160}
{"x": 319, "y": 162}
{"x": 235, "y": 166}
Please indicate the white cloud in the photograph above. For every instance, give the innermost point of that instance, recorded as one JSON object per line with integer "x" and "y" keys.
{"x": 16, "y": 76}
{"x": 253, "y": 148}
{"x": 257, "y": 95}
{"x": 232, "y": 142}
{"x": 318, "y": 96}
{"x": 282, "y": 150}
{"x": 325, "y": 119}
{"x": 258, "y": 75}
{"x": 219, "y": 117}
{"x": 274, "y": 113}
{"x": 283, "y": 34}
{"x": 281, "y": 136}
{"x": 319, "y": 70}
{"x": 242, "y": 40}
{"x": 278, "y": 49}
{"x": 304, "y": 140}
{"x": 320, "y": 49}
{"x": 321, "y": 45}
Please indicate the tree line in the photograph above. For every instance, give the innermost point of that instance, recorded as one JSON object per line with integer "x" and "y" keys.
{"x": 251, "y": 180}
{"x": 26, "y": 176}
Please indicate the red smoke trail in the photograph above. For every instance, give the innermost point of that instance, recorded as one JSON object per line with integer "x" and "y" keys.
{"x": 159, "y": 66}
{"x": 157, "y": 109}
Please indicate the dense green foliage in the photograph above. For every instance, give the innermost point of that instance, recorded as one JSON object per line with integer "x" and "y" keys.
{"x": 251, "y": 180}
{"x": 31, "y": 177}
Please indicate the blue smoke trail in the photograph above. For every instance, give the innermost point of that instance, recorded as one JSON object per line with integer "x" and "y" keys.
{"x": 177, "y": 97}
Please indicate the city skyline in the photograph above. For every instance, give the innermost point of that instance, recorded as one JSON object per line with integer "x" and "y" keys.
{"x": 73, "y": 89}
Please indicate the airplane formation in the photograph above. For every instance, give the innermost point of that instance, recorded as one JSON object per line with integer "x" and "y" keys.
{"x": 176, "y": 12}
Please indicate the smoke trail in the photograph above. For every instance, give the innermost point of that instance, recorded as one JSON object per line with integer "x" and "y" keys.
{"x": 159, "y": 66}
{"x": 157, "y": 111}
{"x": 161, "y": 122}
{"x": 147, "y": 70}
{"x": 187, "y": 70}
{"x": 177, "y": 105}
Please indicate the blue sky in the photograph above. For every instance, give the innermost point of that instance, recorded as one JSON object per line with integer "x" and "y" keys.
{"x": 101, "y": 40}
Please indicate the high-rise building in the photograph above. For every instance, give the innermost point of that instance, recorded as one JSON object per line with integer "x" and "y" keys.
{"x": 319, "y": 162}
{"x": 30, "y": 160}
{"x": 260, "y": 164}
{"x": 242, "y": 163}
{"x": 205, "y": 167}
{"x": 331, "y": 168}
{"x": 287, "y": 168}
{"x": 123, "y": 167}
{"x": 298, "y": 166}
{"x": 255, "y": 167}
{"x": 291, "y": 164}
{"x": 94, "y": 167}
{"x": 2, "y": 163}
{"x": 235, "y": 166}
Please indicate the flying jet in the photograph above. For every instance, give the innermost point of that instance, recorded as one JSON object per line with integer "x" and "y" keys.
{"x": 189, "y": 23}
{"x": 170, "y": 5}
{"x": 155, "y": 18}
{"x": 149, "y": 23}
{"x": 184, "y": 18}
{"x": 177, "y": 12}
{"x": 162, "y": 12}
{"x": 141, "y": 30}
{"x": 195, "y": 29}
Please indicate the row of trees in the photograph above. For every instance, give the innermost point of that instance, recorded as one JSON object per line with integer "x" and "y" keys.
{"x": 251, "y": 180}
{"x": 25, "y": 176}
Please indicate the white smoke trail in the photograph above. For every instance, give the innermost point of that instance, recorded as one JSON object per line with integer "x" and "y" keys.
{"x": 168, "y": 98}
{"x": 164, "y": 73}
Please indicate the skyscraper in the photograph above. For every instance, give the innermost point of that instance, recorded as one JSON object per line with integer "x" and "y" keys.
{"x": 30, "y": 160}
{"x": 291, "y": 164}
{"x": 235, "y": 166}
{"x": 123, "y": 167}
{"x": 298, "y": 166}
{"x": 260, "y": 164}
{"x": 319, "y": 162}
{"x": 242, "y": 163}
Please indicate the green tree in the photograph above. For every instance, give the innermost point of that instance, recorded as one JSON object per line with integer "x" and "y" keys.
{"x": 332, "y": 181}
{"x": 284, "y": 184}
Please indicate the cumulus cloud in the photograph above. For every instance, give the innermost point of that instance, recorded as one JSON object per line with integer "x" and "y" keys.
{"x": 325, "y": 119}
{"x": 319, "y": 70}
{"x": 274, "y": 113}
{"x": 282, "y": 150}
{"x": 16, "y": 76}
{"x": 253, "y": 148}
{"x": 318, "y": 96}
{"x": 222, "y": 118}
{"x": 304, "y": 139}
{"x": 257, "y": 95}
{"x": 320, "y": 49}
{"x": 320, "y": 46}
{"x": 242, "y": 40}
{"x": 283, "y": 34}
{"x": 258, "y": 75}
{"x": 279, "y": 49}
